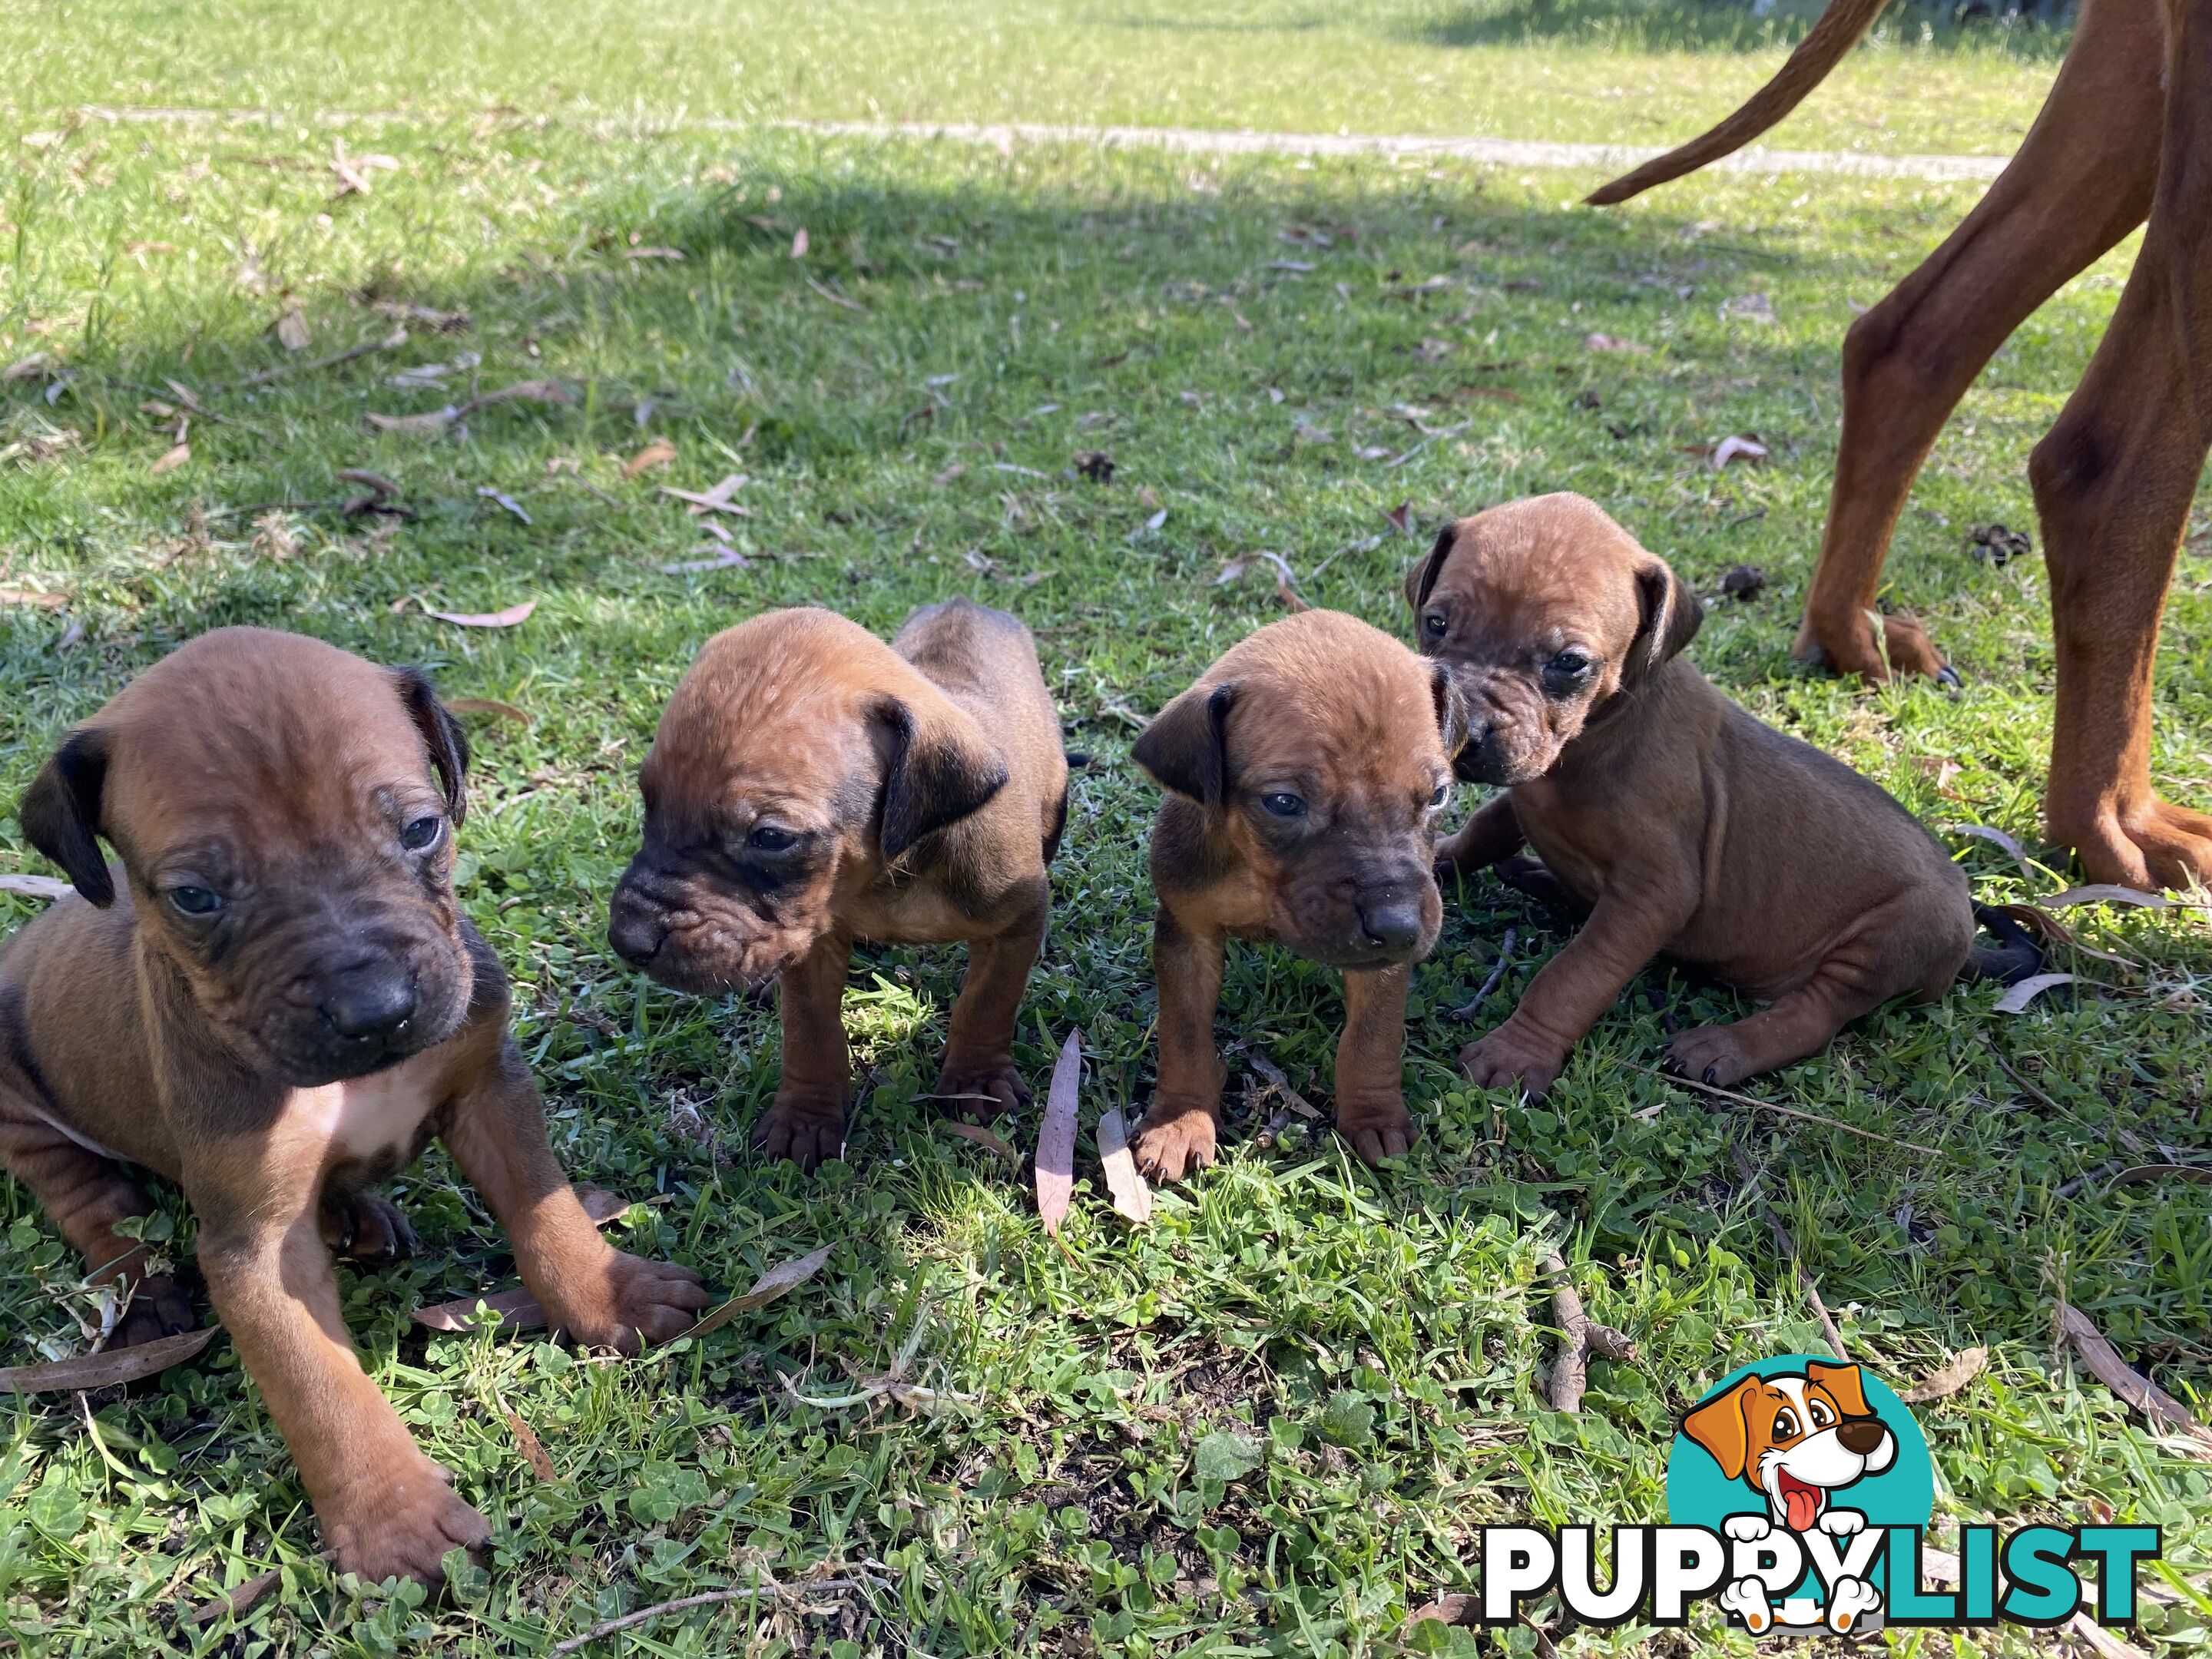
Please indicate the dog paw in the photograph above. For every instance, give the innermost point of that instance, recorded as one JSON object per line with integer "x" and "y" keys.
{"x": 1172, "y": 1145}
{"x": 1508, "y": 1056}
{"x": 1849, "y": 1599}
{"x": 1378, "y": 1129}
{"x": 635, "y": 1302}
{"x": 159, "y": 1308}
{"x": 401, "y": 1524}
{"x": 1843, "y": 642}
{"x": 1747, "y": 1528}
{"x": 369, "y": 1228}
{"x": 808, "y": 1132}
{"x": 1746, "y": 1598}
{"x": 1842, "y": 1523}
{"x": 2154, "y": 845}
{"x": 1710, "y": 1054}
{"x": 981, "y": 1088}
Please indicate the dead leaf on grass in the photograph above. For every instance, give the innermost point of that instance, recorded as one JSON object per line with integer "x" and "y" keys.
{"x": 1055, "y": 1149}
{"x": 107, "y": 1368}
{"x": 658, "y": 452}
{"x": 436, "y": 420}
{"x": 1133, "y": 1196}
{"x": 506, "y": 711}
{"x": 1751, "y": 307}
{"x": 36, "y": 600}
{"x": 1402, "y": 518}
{"x": 517, "y": 1309}
{"x": 239, "y": 1600}
{"x": 1948, "y": 1378}
{"x": 292, "y": 331}
{"x": 38, "y": 366}
{"x": 719, "y": 558}
{"x": 504, "y": 500}
{"x": 799, "y": 243}
{"x": 1737, "y": 448}
{"x": 1614, "y": 343}
{"x": 2015, "y": 1000}
{"x": 508, "y": 618}
{"x": 2133, "y": 1388}
{"x": 534, "y": 1448}
{"x": 716, "y": 500}
{"x": 775, "y": 1282}
{"x": 600, "y": 1205}
{"x": 2105, "y": 892}
{"x": 2137, "y": 1175}
{"x": 984, "y": 1138}
{"x": 1997, "y": 838}
{"x": 176, "y": 456}
{"x": 1452, "y": 1608}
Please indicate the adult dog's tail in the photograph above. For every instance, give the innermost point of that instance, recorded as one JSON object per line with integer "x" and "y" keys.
{"x": 2015, "y": 956}
{"x": 1823, "y": 47}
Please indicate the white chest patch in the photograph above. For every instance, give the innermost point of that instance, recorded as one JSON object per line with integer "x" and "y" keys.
{"x": 368, "y": 1116}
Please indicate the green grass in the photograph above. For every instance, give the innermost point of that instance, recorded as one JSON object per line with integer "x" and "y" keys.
{"x": 1618, "y": 71}
{"x": 1371, "y": 1338}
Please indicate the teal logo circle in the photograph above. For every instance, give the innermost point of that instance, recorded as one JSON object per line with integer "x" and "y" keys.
{"x": 1804, "y": 1444}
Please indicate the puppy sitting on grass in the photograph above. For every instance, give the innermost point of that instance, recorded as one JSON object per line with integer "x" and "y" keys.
{"x": 1304, "y": 770}
{"x": 809, "y": 785}
{"x": 1686, "y": 826}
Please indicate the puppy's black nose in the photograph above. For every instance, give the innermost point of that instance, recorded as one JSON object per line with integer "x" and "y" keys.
{"x": 374, "y": 1004}
{"x": 635, "y": 931}
{"x": 1862, "y": 1435}
{"x": 1392, "y": 923}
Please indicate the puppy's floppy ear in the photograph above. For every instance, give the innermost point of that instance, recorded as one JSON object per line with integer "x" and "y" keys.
{"x": 1670, "y": 616}
{"x": 1423, "y": 576}
{"x": 940, "y": 770}
{"x": 60, "y": 812}
{"x": 1452, "y": 721}
{"x": 1721, "y": 1427}
{"x": 1186, "y": 748}
{"x": 1844, "y": 1383}
{"x": 448, "y": 745}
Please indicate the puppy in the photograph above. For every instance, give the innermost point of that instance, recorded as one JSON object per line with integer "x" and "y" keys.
{"x": 274, "y": 1000}
{"x": 1683, "y": 824}
{"x": 1304, "y": 770}
{"x": 809, "y": 785}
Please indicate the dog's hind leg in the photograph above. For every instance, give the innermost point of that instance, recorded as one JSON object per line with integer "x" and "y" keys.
{"x": 87, "y": 1196}
{"x": 979, "y": 1078}
{"x": 2080, "y": 182}
{"x": 2113, "y": 483}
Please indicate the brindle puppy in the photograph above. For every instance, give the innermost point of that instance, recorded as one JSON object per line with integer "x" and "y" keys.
{"x": 276, "y": 1002}
{"x": 809, "y": 785}
{"x": 1683, "y": 824}
{"x": 1305, "y": 768}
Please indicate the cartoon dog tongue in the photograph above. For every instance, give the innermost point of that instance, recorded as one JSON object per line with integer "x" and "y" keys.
{"x": 1801, "y": 1502}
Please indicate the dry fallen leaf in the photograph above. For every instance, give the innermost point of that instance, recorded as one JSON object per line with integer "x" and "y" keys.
{"x": 719, "y": 558}
{"x": 107, "y": 1368}
{"x": 1451, "y": 1608}
{"x": 658, "y": 452}
{"x": 1612, "y": 342}
{"x": 716, "y": 500}
{"x": 600, "y": 1205}
{"x": 1402, "y": 518}
{"x": 1996, "y": 838}
{"x": 1055, "y": 1149}
{"x": 1133, "y": 1197}
{"x": 506, "y": 618}
{"x": 504, "y": 500}
{"x": 653, "y": 253}
{"x": 2105, "y": 893}
{"x": 517, "y": 1309}
{"x": 37, "y": 600}
{"x": 292, "y": 331}
{"x": 38, "y": 887}
{"x": 169, "y": 463}
{"x": 2136, "y": 1175}
{"x": 1737, "y": 449}
{"x": 984, "y": 1138}
{"x": 238, "y": 1601}
{"x": 1948, "y": 1378}
{"x": 1752, "y": 307}
{"x": 436, "y": 420}
{"x": 37, "y": 365}
{"x": 534, "y": 1448}
{"x": 2016, "y": 999}
{"x": 788, "y": 1276}
{"x": 506, "y": 711}
{"x": 799, "y": 244}
{"x": 2116, "y": 1374}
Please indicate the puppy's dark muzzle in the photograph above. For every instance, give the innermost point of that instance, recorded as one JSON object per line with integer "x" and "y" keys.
{"x": 1394, "y": 925}
{"x": 636, "y": 928}
{"x": 366, "y": 1017}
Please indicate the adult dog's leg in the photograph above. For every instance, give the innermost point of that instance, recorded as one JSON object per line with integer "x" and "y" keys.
{"x": 2080, "y": 182}
{"x": 2113, "y": 482}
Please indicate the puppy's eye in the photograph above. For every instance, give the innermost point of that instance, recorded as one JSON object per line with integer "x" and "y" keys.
{"x": 198, "y": 901}
{"x": 1433, "y": 624}
{"x": 1785, "y": 1424}
{"x": 1284, "y": 805}
{"x": 1442, "y": 790}
{"x": 423, "y": 834}
{"x": 1567, "y": 663}
{"x": 1820, "y": 1414}
{"x": 771, "y": 838}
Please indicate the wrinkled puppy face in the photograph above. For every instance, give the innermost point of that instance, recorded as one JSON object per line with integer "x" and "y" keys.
{"x": 1544, "y": 610}
{"x": 779, "y": 772}
{"x": 284, "y": 813}
{"x": 1320, "y": 750}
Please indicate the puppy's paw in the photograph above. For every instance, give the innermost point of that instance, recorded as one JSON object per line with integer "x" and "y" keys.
{"x": 1747, "y": 1599}
{"x": 1513, "y": 1054}
{"x": 1842, "y": 1523}
{"x": 1710, "y": 1054}
{"x": 981, "y": 1088}
{"x": 635, "y": 1303}
{"x": 1378, "y": 1129}
{"x": 1849, "y": 1599}
{"x": 806, "y": 1130}
{"x": 399, "y": 1524}
{"x": 159, "y": 1308}
{"x": 369, "y": 1228}
{"x": 1747, "y": 1528}
{"x": 1179, "y": 1142}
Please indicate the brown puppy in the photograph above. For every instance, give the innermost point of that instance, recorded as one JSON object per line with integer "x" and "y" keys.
{"x": 1305, "y": 768}
{"x": 809, "y": 785}
{"x": 274, "y": 1001}
{"x": 1687, "y": 826}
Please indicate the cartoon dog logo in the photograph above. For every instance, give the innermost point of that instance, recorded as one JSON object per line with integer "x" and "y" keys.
{"x": 1794, "y": 1439}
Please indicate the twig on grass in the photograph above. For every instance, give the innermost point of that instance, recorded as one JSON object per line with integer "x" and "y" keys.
{"x": 705, "y": 1599}
{"x": 389, "y": 342}
{"x": 1780, "y": 1110}
{"x": 1788, "y": 1248}
{"x": 1580, "y": 1336}
{"x": 1467, "y": 1009}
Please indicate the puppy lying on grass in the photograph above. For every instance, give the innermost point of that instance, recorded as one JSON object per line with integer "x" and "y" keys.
{"x": 1304, "y": 770}
{"x": 1686, "y": 826}
{"x": 809, "y": 785}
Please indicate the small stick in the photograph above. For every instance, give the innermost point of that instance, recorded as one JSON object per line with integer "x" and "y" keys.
{"x": 1467, "y": 1009}
{"x": 1790, "y": 1111}
{"x": 396, "y": 338}
{"x": 1273, "y": 1074}
{"x": 1570, "y": 1370}
{"x": 684, "y": 1603}
{"x": 1788, "y": 1248}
